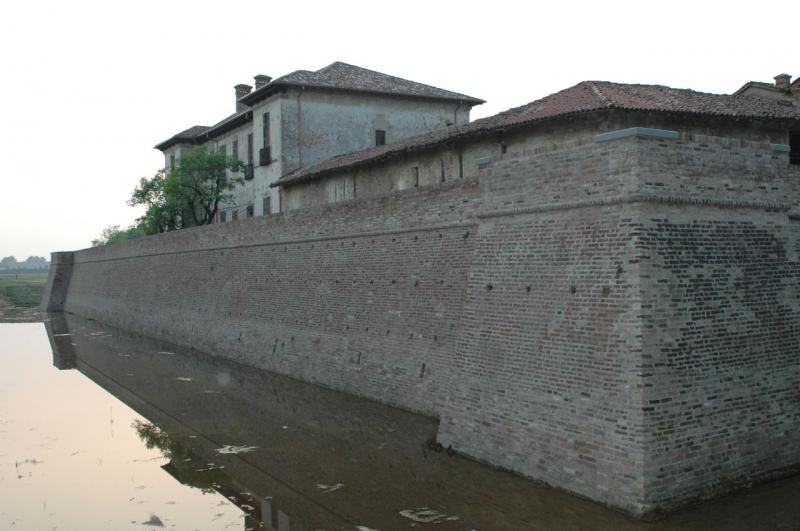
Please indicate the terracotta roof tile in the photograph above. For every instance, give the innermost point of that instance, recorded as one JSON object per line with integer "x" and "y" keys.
{"x": 584, "y": 97}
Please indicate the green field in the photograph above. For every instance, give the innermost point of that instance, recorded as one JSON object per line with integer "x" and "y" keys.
{"x": 20, "y": 296}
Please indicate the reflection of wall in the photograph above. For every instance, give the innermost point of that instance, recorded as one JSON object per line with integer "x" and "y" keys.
{"x": 61, "y": 342}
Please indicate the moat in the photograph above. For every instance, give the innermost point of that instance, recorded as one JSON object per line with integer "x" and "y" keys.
{"x": 103, "y": 429}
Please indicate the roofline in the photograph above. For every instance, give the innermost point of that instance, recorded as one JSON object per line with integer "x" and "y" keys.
{"x": 470, "y": 135}
{"x": 168, "y": 143}
{"x": 763, "y": 85}
{"x": 208, "y": 134}
{"x": 231, "y": 124}
{"x": 267, "y": 90}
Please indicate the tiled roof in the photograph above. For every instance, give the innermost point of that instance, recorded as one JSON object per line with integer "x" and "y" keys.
{"x": 584, "y": 97}
{"x": 184, "y": 136}
{"x": 760, "y": 84}
{"x": 343, "y": 76}
{"x": 231, "y": 122}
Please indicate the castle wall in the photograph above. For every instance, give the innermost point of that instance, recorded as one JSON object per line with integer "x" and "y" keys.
{"x": 720, "y": 318}
{"x": 364, "y": 299}
{"x": 614, "y": 316}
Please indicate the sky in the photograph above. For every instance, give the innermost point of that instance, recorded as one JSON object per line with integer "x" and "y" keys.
{"x": 88, "y": 88}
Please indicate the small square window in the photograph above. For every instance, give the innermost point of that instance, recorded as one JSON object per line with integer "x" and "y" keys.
{"x": 249, "y": 211}
{"x": 380, "y": 137}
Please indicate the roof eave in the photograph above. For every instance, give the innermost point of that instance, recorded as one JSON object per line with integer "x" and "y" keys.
{"x": 166, "y": 144}
{"x": 229, "y": 125}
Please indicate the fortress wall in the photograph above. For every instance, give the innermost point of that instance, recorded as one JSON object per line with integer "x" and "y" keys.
{"x": 568, "y": 315}
{"x": 638, "y": 345}
{"x": 546, "y": 380}
{"x": 720, "y": 318}
{"x": 365, "y": 299}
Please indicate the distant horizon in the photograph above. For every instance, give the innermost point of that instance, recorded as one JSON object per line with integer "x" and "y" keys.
{"x": 93, "y": 86}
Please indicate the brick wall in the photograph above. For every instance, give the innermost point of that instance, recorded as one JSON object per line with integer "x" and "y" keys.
{"x": 616, "y": 318}
{"x": 365, "y": 299}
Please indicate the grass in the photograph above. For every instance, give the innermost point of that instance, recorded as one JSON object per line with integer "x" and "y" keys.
{"x": 22, "y": 290}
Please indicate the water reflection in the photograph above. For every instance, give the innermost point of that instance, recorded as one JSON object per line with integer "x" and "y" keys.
{"x": 292, "y": 456}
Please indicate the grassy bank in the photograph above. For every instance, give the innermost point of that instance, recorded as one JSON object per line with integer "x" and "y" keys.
{"x": 20, "y": 296}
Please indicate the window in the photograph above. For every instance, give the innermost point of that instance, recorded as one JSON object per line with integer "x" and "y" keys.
{"x": 380, "y": 137}
{"x": 250, "y": 211}
{"x": 794, "y": 148}
{"x": 172, "y": 161}
{"x": 250, "y": 149}
{"x": 267, "y": 206}
{"x": 235, "y": 150}
{"x": 223, "y": 151}
{"x": 415, "y": 176}
{"x": 234, "y": 214}
{"x": 223, "y": 217}
{"x": 265, "y": 129}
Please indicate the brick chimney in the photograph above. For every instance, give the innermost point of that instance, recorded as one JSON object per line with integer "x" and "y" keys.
{"x": 241, "y": 91}
{"x": 782, "y": 82}
{"x": 262, "y": 80}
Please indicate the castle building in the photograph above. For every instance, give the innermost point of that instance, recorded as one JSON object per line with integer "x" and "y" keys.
{"x": 304, "y": 117}
{"x": 599, "y": 289}
{"x": 758, "y": 112}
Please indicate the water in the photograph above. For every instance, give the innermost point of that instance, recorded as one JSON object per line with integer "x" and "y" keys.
{"x": 105, "y": 430}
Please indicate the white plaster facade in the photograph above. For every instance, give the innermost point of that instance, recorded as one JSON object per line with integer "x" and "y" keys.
{"x": 311, "y": 123}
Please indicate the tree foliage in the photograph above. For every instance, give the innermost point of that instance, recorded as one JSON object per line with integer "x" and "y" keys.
{"x": 189, "y": 194}
{"x": 9, "y": 262}
{"x": 114, "y": 234}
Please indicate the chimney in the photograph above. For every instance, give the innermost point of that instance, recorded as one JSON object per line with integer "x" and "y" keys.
{"x": 262, "y": 80}
{"x": 241, "y": 91}
{"x": 782, "y": 82}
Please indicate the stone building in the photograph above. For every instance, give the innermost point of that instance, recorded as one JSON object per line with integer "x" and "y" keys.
{"x": 305, "y": 117}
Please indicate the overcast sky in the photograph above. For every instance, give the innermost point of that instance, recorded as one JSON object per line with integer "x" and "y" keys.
{"x": 89, "y": 87}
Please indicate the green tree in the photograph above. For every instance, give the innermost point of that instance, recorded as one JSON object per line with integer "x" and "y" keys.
{"x": 8, "y": 262}
{"x": 114, "y": 234}
{"x": 163, "y": 212}
{"x": 190, "y": 194}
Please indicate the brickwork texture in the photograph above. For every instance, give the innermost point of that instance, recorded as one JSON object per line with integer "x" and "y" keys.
{"x": 616, "y": 319}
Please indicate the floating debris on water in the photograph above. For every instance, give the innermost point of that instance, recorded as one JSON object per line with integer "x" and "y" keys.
{"x": 166, "y": 352}
{"x": 329, "y": 488}
{"x": 426, "y": 515}
{"x": 230, "y": 449}
{"x": 184, "y": 379}
{"x": 210, "y": 466}
{"x": 154, "y": 520}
